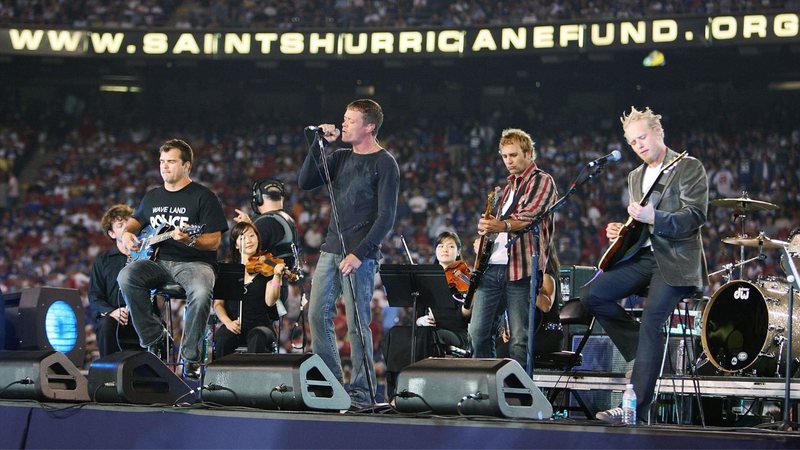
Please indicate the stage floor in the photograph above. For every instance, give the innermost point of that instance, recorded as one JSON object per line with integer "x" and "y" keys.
{"x": 29, "y": 424}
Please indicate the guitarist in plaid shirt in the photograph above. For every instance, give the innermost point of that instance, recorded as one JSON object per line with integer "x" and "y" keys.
{"x": 666, "y": 261}
{"x": 506, "y": 282}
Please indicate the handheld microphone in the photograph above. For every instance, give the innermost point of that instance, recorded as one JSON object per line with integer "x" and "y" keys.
{"x": 616, "y": 155}
{"x": 314, "y": 128}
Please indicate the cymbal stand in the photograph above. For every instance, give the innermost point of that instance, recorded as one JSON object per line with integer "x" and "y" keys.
{"x": 794, "y": 280}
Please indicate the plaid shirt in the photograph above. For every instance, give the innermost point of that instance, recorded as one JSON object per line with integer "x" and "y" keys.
{"x": 539, "y": 194}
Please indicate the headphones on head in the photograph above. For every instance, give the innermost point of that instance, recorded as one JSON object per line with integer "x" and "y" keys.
{"x": 257, "y": 197}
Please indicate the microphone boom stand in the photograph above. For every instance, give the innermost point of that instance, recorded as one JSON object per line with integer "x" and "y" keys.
{"x": 534, "y": 228}
{"x": 351, "y": 276}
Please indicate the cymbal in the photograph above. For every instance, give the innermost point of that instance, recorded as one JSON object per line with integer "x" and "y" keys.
{"x": 748, "y": 204}
{"x": 768, "y": 244}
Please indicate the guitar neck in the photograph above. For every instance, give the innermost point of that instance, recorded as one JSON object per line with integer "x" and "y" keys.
{"x": 160, "y": 238}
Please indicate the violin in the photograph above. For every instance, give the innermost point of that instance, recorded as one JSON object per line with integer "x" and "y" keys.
{"x": 265, "y": 263}
{"x": 457, "y": 275}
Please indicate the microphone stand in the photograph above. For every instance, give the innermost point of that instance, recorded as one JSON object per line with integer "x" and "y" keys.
{"x": 351, "y": 276}
{"x": 534, "y": 228}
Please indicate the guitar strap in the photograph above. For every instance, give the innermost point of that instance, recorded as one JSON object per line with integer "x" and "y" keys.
{"x": 517, "y": 195}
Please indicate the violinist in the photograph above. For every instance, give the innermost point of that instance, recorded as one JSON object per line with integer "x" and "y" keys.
{"x": 439, "y": 328}
{"x": 263, "y": 284}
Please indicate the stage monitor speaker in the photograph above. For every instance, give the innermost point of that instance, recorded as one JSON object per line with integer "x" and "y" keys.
{"x": 489, "y": 387}
{"x": 268, "y": 381}
{"x": 135, "y": 377}
{"x": 52, "y": 319}
{"x": 43, "y": 375}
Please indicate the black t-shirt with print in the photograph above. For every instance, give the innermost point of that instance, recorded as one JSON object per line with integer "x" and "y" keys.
{"x": 195, "y": 204}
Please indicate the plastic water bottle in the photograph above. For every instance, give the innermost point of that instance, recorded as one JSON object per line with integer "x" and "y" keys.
{"x": 681, "y": 358}
{"x": 629, "y": 406}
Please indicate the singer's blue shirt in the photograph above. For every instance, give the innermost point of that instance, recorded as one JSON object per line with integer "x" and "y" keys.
{"x": 365, "y": 188}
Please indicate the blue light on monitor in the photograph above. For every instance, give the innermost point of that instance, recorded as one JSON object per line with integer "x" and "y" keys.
{"x": 61, "y": 326}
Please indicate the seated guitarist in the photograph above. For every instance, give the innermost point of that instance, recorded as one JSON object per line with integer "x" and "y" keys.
{"x": 186, "y": 260}
{"x": 506, "y": 281}
{"x": 667, "y": 258}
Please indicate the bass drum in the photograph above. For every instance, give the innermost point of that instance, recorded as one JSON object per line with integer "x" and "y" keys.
{"x": 745, "y": 321}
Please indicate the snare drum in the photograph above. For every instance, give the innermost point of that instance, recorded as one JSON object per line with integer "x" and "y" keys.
{"x": 744, "y": 321}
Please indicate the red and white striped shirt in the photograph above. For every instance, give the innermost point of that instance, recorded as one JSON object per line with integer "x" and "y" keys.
{"x": 538, "y": 193}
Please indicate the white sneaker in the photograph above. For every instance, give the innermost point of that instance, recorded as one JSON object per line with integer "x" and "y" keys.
{"x": 612, "y": 416}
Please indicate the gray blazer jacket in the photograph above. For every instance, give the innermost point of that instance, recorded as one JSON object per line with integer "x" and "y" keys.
{"x": 680, "y": 212}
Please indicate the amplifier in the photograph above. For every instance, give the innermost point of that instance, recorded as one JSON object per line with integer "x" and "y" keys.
{"x": 601, "y": 355}
{"x": 572, "y": 279}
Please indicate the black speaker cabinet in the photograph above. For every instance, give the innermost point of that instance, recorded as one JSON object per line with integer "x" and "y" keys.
{"x": 135, "y": 377}
{"x": 43, "y": 375}
{"x": 52, "y": 319}
{"x": 269, "y": 381}
{"x": 489, "y": 387}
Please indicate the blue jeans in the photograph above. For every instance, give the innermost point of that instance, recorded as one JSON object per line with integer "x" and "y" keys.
{"x": 197, "y": 279}
{"x": 643, "y": 341}
{"x": 327, "y": 286}
{"x": 494, "y": 296}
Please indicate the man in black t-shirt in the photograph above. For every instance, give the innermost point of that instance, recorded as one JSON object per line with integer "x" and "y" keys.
{"x": 184, "y": 258}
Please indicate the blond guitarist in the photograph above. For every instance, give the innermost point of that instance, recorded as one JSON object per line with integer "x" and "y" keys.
{"x": 666, "y": 261}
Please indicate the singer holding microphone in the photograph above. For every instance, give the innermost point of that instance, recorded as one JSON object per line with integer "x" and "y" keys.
{"x": 666, "y": 261}
{"x": 363, "y": 183}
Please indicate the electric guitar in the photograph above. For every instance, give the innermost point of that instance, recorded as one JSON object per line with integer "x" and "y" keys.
{"x": 632, "y": 230}
{"x": 151, "y": 237}
{"x": 484, "y": 250}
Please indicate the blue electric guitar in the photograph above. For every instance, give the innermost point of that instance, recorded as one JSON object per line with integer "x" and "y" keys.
{"x": 151, "y": 237}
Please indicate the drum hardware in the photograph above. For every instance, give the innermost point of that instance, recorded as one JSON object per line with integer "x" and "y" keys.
{"x": 743, "y": 204}
{"x": 744, "y": 321}
{"x": 794, "y": 280}
{"x": 730, "y": 266}
{"x": 761, "y": 241}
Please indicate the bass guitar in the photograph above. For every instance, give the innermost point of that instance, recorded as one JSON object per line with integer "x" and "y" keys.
{"x": 151, "y": 237}
{"x": 632, "y": 230}
{"x": 484, "y": 250}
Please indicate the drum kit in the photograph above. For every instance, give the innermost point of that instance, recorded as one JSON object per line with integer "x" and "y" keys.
{"x": 746, "y": 324}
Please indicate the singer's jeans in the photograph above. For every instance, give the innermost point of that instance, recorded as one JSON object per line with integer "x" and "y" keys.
{"x": 197, "y": 279}
{"x": 494, "y": 296}
{"x": 645, "y": 341}
{"x": 327, "y": 286}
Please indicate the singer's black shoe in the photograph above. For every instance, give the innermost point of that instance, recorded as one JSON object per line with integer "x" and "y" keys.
{"x": 191, "y": 370}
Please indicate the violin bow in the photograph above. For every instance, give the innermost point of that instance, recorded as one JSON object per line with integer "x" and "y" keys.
{"x": 408, "y": 252}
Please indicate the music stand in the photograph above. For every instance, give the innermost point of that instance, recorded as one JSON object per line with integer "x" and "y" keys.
{"x": 230, "y": 284}
{"x": 408, "y": 285}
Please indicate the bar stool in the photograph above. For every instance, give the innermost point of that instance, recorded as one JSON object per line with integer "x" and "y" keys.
{"x": 168, "y": 292}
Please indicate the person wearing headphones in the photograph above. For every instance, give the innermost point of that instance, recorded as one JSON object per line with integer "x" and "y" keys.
{"x": 275, "y": 226}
